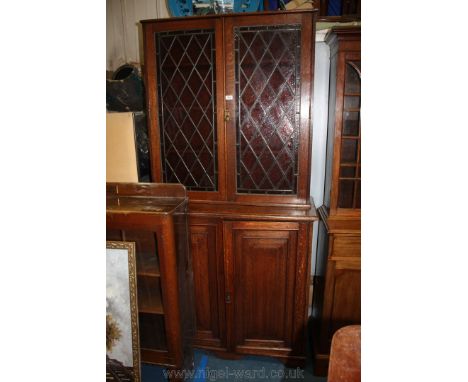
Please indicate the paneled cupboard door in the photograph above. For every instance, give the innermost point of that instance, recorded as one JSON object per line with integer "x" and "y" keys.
{"x": 269, "y": 76}
{"x": 265, "y": 311}
{"x": 184, "y": 76}
{"x": 207, "y": 261}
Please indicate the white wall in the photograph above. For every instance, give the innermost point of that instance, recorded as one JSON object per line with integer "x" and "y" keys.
{"x": 320, "y": 119}
{"x": 123, "y": 30}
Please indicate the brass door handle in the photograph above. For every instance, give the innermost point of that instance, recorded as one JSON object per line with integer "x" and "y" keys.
{"x": 227, "y": 116}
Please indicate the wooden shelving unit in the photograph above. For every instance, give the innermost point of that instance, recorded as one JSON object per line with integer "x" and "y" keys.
{"x": 153, "y": 216}
{"x": 337, "y": 292}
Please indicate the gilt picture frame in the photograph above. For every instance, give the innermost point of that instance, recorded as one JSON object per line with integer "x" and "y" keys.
{"x": 122, "y": 337}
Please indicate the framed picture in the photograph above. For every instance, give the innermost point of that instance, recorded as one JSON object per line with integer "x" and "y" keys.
{"x": 122, "y": 339}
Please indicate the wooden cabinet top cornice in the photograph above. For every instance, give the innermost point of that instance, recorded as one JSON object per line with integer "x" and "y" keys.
{"x": 229, "y": 15}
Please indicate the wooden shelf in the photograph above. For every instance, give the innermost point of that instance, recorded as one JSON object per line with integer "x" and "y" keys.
{"x": 149, "y": 295}
{"x": 350, "y": 164}
{"x": 148, "y": 266}
{"x": 150, "y": 306}
{"x": 351, "y": 137}
{"x": 148, "y": 274}
{"x": 152, "y": 334}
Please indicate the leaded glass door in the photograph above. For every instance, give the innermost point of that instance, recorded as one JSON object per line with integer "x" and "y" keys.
{"x": 268, "y": 83}
{"x": 185, "y": 80}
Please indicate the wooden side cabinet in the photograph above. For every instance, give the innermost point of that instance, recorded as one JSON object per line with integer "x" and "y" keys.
{"x": 154, "y": 217}
{"x": 337, "y": 284}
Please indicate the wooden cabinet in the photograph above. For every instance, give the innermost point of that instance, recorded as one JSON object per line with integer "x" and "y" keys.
{"x": 154, "y": 217}
{"x": 229, "y": 104}
{"x": 337, "y": 286}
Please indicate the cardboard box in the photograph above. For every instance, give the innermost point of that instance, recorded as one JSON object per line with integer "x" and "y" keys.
{"x": 121, "y": 157}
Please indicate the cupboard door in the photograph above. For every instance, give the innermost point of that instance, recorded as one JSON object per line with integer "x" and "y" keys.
{"x": 343, "y": 178}
{"x": 206, "y": 251}
{"x": 269, "y": 76}
{"x": 260, "y": 292}
{"x": 184, "y": 83}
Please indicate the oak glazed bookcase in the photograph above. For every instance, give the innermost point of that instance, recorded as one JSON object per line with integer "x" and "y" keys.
{"x": 229, "y": 102}
{"x": 337, "y": 292}
{"x": 154, "y": 217}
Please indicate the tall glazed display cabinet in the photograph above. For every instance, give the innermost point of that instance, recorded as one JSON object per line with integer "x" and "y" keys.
{"x": 337, "y": 296}
{"x": 229, "y": 101}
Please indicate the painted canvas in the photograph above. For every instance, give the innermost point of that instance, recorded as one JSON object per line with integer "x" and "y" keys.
{"x": 122, "y": 347}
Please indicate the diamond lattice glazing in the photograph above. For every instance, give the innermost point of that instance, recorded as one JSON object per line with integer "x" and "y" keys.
{"x": 268, "y": 89}
{"x": 187, "y": 111}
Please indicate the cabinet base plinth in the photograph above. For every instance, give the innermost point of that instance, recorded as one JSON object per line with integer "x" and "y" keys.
{"x": 288, "y": 361}
{"x": 321, "y": 364}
